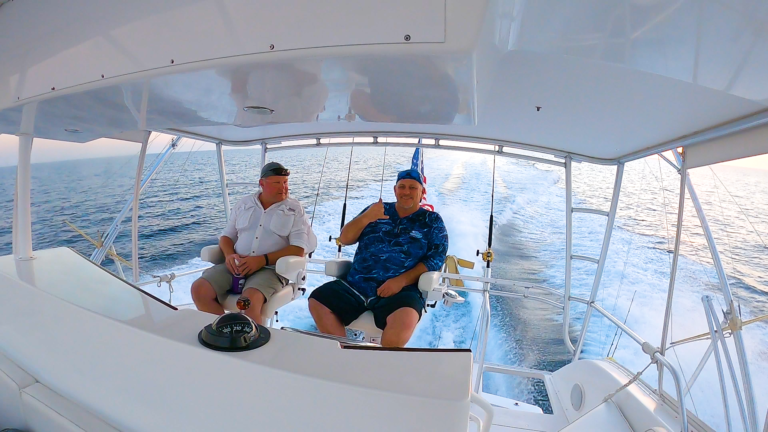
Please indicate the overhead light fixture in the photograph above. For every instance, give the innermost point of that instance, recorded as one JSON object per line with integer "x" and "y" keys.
{"x": 72, "y": 130}
{"x": 260, "y": 110}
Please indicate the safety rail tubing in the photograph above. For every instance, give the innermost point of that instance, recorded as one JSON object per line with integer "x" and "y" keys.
{"x": 487, "y": 421}
{"x": 155, "y": 280}
{"x": 656, "y": 356}
{"x": 515, "y": 370}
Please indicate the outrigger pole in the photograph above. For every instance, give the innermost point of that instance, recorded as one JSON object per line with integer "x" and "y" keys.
{"x": 487, "y": 256}
{"x": 111, "y": 234}
{"x": 344, "y": 208}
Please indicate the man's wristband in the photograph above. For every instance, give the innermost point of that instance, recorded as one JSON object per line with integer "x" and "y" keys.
{"x": 266, "y": 259}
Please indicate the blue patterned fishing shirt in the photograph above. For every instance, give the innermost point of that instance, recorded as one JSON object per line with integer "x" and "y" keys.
{"x": 389, "y": 247}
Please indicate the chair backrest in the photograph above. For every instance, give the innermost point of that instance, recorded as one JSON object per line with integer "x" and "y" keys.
{"x": 13, "y": 380}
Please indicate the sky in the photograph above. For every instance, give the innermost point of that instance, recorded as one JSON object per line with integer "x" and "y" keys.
{"x": 51, "y": 151}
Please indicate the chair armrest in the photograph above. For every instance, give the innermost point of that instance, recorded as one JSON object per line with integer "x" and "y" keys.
{"x": 337, "y": 268}
{"x": 212, "y": 254}
{"x": 429, "y": 285}
{"x": 290, "y": 266}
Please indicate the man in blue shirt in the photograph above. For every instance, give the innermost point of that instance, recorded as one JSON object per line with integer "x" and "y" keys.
{"x": 397, "y": 243}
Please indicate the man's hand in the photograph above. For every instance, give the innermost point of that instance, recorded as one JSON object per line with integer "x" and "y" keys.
{"x": 250, "y": 264}
{"x": 231, "y": 261}
{"x": 391, "y": 287}
{"x": 375, "y": 212}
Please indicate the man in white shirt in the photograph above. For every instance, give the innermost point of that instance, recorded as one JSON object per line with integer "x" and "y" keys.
{"x": 262, "y": 228}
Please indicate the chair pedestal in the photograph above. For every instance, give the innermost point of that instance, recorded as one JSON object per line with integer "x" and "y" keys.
{"x": 365, "y": 323}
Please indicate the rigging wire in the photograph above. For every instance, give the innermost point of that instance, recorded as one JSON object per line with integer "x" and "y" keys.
{"x": 111, "y": 175}
{"x": 383, "y": 165}
{"x": 623, "y": 273}
{"x": 474, "y": 331}
{"x": 679, "y": 365}
{"x": 631, "y": 302}
{"x": 725, "y": 228}
{"x": 181, "y": 171}
{"x": 317, "y": 195}
{"x": 737, "y": 205}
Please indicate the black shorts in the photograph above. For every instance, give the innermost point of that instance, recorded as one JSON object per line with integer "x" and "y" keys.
{"x": 347, "y": 304}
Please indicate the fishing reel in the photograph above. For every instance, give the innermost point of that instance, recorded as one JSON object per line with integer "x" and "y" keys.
{"x": 332, "y": 238}
{"x": 486, "y": 255}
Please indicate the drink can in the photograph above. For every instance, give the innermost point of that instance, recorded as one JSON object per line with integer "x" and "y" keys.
{"x": 237, "y": 284}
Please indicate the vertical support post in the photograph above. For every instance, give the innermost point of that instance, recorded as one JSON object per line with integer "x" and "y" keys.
{"x": 24, "y": 203}
{"x": 568, "y": 253}
{"x": 723, "y": 391}
{"x": 263, "y": 154}
{"x": 603, "y": 255}
{"x": 135, "y": 212}
{"x": 673, "y": 270}
{"x": 223, "y": 179}
{"x": 729, "y": 362}
{"x": 732, "y": 314}
{"x": 483, "y": 342}
{"x": 23, "y": 211}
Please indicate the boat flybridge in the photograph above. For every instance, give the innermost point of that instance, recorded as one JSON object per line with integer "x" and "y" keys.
{"x": 556, "y": 83}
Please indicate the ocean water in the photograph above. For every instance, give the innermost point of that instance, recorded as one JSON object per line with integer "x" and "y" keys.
{"x": 182, "y": 211}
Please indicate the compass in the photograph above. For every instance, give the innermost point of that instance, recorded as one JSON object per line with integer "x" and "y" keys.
{"x": 234, "y": 331}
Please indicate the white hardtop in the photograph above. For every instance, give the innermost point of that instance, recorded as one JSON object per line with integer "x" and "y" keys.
{"x": 600, "y": 82}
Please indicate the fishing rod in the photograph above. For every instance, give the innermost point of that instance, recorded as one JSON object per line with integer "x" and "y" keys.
{"x": 488, "y": 254}
{"x": 344, "y": 208}
{"x": 384, "y": 165}
{"x": 317, "y": 195}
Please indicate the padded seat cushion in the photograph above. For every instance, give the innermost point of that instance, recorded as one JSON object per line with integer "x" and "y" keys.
{"x": 604, "y": 417}
{"x": 278, "y": 300}
{"x": 366, "y": 324}
{"x": 13, "y": 379}
{"x": 46, "y": 410}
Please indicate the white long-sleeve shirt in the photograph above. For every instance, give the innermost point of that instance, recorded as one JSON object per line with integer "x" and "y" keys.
{"x": 256, "y": 231}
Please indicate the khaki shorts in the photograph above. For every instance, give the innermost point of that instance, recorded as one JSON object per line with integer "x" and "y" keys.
{"x": 265, "y": 280}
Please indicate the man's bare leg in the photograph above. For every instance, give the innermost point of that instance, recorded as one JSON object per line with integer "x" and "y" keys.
{"x": 204, "y": 297}
{"x": 257, "y": 302}
{"x": 325, "y": 320}
{"x": 400, "y": 326}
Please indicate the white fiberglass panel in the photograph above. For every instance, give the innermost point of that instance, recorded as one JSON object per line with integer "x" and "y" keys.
{"x": 744, "y": 144}
{"x": 69, "y": 276}
{"x": 722, "y": 45}
{"x": 294, "y": 382}
{"x": 87, "y": 41}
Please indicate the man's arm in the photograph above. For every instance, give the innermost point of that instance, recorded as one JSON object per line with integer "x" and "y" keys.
{"x": 351, "y": 231}
{"x": 397, "y": 283}
{"x": 227, "y": 246}
{"x": 252, "y": 264}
